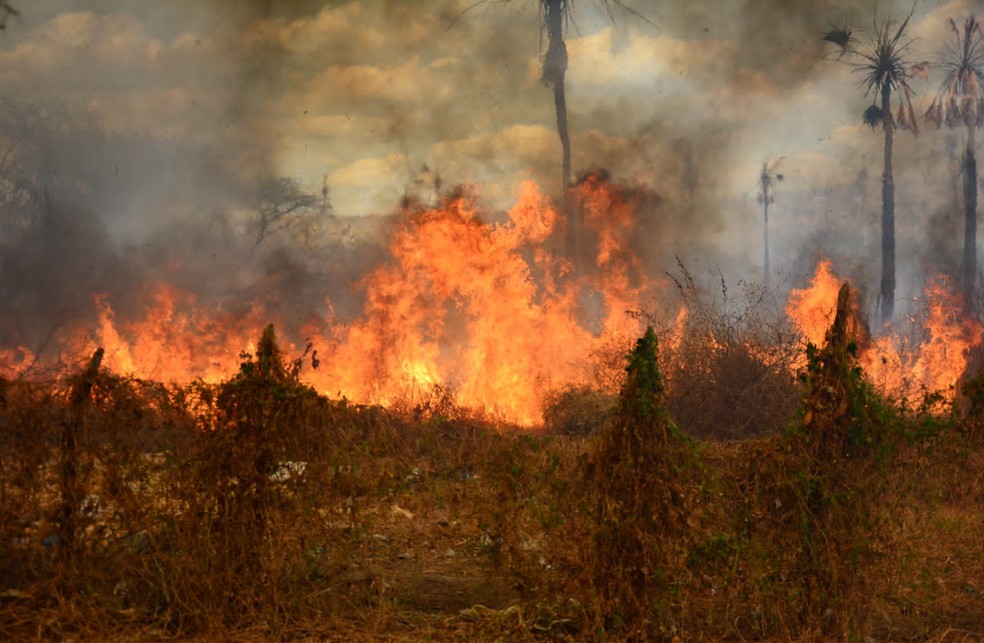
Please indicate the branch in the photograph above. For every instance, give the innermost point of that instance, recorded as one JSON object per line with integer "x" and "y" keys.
{"x": 626, "y": 9}
{"x": 6, "y": 10}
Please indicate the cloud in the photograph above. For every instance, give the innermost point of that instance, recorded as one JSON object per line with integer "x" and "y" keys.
{"x": 381, "y": 88}
{"x": 370, "y": 185}
{"x": 82, "y": 52}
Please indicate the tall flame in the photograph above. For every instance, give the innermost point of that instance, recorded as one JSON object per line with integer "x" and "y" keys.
{"x": 175, "y": 341}
{"x": 932, "y": 359}
{"x": 459, "y": 306}
{"x": 812, "y": 309}
{"x": 492, "y": 312}
{"x": 495, "y": 313}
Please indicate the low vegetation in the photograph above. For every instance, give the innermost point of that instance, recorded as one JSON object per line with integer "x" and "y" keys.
{"x": 257, "y": 509}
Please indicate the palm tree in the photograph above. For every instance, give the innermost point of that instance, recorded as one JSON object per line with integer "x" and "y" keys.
{"x": 555, "y": 17}
{"x": 960, "y": 102}
{"x": 554, "y": 72}
{"x": 767, "y": 179}
{"x": 884, "y": 66}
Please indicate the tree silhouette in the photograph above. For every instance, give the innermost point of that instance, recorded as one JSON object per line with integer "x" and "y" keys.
{"x": 281, "y": 202}
{"x": 555, "y": 18}
{"x": 767, "y": 179}
{"x": 6, "y": 10}
{"x": 960, "y": 102}
{"x": 885, "y": 68}
{"x": 48, "y": 159}
{"x": 554, "y": 73}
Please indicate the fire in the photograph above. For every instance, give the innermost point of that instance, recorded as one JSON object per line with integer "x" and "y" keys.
{"x": 949, "y": 337}
{"x": 175, "y": 341}
{"x": 622, "y": 278}
{"x": 812, "y": 309}
{"x": 494, "y": 312}
{"x": 933, "y": 359}
{"x": 14, "y": 362}
{"x": 498, "y": 314}
{"x": 459, "y": 306}
{"x": 676, "y": 333}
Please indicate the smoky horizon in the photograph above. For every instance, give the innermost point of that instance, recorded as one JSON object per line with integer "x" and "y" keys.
{"x": 218, "y": 166}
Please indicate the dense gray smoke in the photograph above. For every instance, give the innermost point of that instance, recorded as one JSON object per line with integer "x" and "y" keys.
{"x": 255, "y": 153}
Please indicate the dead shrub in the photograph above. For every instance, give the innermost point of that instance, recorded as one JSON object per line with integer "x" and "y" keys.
{"x": 192, "y": 509}
{"x": 256, "y": 509}
{"x": 429, "y": 403}
{"x": 730, "y": 372}
{"x": 78, "y": 481}
{"x": 247, "y": 492}
{"x": 27, "y": 447}
{"x": 578, "y": 411}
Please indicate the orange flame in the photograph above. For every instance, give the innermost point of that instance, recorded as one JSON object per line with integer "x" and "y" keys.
{"x": 459, "y": 307}
{"x": 899, "y": 366}
{"x": 172, "y": 345}
{"x": 948, "y": 337}
{"x": 492, "y": 312}
{"x": 937, "y": 358}
{"x": 15, "y": 362}
{"x": 812, "y": 309}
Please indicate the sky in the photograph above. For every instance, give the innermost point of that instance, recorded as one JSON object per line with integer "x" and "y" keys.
{"x": 376, "y": 98}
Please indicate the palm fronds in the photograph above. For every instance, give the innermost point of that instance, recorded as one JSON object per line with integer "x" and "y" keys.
{"x": 872, "y": 116}
{"x": 841, "y": 35}
{"x": 906, "y": 115}
{"x": 884, "y": 64}
{"x": 554, "y": 14}
{"x": 960, "y": 99}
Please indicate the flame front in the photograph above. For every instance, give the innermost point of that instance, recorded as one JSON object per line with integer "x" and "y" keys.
{"x": 459, "y": 306}
{"x": 172, "y": 345}
{"x": 495, "y": 313}
{"x": 948, "y": 338}
{"x": 500, "y": 314}
{"x": 812, "y": 309}
{"x": 930, "y": 359}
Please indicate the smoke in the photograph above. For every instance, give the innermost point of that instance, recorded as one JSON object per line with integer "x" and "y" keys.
{"x": 159, "y": 123}
{"x": 134, "y": 148}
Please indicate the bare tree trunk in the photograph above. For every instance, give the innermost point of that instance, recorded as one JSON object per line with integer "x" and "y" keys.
{"x": 575, "y": 214}
{"x": 560, "y": 103}
{"x": 765, "y": 202}
{"x": 887, "y": 296}
{"x": 970, "y": 222}
{"x": 554, "y": 71}
{"x": 49, "y": 224}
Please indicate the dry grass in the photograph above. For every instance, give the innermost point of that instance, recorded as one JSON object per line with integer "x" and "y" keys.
{"x": 731, "y": 369}
{"x": 172, "y": 515}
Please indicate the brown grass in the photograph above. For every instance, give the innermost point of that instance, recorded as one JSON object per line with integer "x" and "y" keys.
{"x": 171, "y": 517}
{"x": 731, "y": 371}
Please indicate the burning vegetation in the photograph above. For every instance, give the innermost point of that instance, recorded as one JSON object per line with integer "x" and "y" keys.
{"x": 185, "y": 481}
{"x": 477, "y": 423}
{"x": 501, "y": 313}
